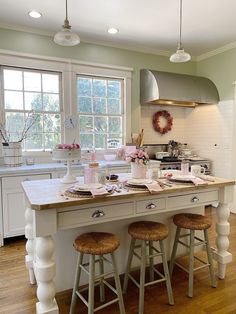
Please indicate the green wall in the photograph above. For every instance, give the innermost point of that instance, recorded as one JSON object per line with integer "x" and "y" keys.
{"x": 221, "y": 69}
{"x": 44, "y": 45}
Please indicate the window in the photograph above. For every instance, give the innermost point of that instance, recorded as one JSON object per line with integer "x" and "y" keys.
{"x": 100, "y": 107}
{"x": 25, "y": 90}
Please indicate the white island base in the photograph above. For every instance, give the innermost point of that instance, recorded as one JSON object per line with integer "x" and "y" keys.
{"x": 53, "y": 223}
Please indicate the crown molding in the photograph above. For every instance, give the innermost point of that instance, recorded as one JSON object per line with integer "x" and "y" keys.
{"x": 24, "y": 29}
{"x": 216, "y": 51}
{"x": 84, "y": 39}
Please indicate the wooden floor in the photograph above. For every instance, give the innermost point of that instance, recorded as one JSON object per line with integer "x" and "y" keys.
{"x": 17, "y": 296}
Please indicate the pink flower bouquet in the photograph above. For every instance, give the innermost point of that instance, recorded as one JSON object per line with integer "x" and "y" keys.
{"x": 139, "y": 157}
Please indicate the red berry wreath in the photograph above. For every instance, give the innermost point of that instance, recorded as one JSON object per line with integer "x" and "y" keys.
{"x": 156, "y": 121}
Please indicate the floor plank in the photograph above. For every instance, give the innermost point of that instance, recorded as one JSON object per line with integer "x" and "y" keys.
{"x": 17, "y": 296}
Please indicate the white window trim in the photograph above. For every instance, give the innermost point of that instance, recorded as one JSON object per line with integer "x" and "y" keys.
{"x": 111, "y": 73}
{"x": 69, "y": 69}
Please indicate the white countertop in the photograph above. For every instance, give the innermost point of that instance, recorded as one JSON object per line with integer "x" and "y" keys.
{"x": 39, "y": 168}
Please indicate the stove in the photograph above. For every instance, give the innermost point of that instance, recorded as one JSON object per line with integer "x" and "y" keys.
{"x": 176, "y": 164}
{"x": 168, "y": 163}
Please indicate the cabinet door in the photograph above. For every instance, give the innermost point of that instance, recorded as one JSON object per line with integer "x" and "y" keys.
{"x": 13, "y": 201}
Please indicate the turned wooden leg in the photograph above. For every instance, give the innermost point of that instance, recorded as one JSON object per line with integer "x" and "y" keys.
{"x": 45, "y": 270}
{"x": 222, "y": 256}
{"x": 29, "y": 258}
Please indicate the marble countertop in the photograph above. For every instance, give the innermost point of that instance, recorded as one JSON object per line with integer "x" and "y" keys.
{"x": 48, "y": 167}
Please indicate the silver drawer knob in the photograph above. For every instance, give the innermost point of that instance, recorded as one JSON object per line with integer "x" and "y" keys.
{"x": 151, "y": 206}
{"x": 194, "y": 199}
{"x": 98, "y": 213}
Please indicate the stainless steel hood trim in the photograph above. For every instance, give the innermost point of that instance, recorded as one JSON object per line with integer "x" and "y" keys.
{"x": 165, "y": 88}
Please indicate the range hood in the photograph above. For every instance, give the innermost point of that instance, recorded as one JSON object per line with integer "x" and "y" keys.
{"x": 165, "y": 88}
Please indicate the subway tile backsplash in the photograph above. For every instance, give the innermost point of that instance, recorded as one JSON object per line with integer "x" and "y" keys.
{"x": 208, "y": 130}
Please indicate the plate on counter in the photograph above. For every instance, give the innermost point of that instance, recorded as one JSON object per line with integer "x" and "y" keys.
{"x": 87, "y": 187}
{"x": 140, "y": 182}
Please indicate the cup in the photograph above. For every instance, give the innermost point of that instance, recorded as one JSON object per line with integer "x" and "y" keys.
{"x": 197, "y": 170}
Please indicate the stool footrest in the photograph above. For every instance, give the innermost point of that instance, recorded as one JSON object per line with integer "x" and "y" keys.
{"x": 194, "y": 269}
{"x": 110, "y": 286}
{"x": 103, "y": 275}
{"x": 82, "y": 298}
{"x": 106, "y": 304}
{"x": 158, "y": 273}
{"x": 153, "y": 282}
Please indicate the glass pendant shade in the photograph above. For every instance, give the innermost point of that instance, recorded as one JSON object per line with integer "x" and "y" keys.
{"x": 66, "y": 38}
{"x": 180, "y": 56}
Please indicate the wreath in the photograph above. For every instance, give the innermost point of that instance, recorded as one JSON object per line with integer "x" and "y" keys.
{"x": 156, "y": 121}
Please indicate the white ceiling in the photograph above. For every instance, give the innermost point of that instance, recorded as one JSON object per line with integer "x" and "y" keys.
{"x": 151, "y": 25}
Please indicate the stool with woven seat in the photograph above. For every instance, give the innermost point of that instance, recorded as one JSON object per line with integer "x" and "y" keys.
{"x": 148, "y": 232}
{"x": 192, "y": 222}
{"x": 96, "y": 244}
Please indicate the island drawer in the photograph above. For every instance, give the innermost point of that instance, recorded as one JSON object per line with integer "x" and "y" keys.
{"x": 96, "y": 214}
{"x": 150, "y": 205}
{"x": 191, "y": 199}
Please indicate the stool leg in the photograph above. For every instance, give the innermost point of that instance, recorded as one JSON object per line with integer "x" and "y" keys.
{"x": 173, "y": 254}
{"x": 101, "y": 268}
{"x": 151, "y": 272}
{"x": 191, "y": 262}
{"x": 118, "y": 286}
{"x": 91, "y": 284}
{"x": 142, "y": 277}
{"x": 167, "y": 276}
{"x": 210, "y": 260}
{"x": 76, "y": 283}
{"x": 130, "y": 256}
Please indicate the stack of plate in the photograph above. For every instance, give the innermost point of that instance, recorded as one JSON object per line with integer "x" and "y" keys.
{"x": 138, "y": 184}
{"x": 83, "y": 190}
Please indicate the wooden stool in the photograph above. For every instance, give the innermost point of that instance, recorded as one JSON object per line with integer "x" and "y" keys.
{"x": 96, "y": 243}
{"x": 192, "y": 222}
{"x": 147, "y": 232}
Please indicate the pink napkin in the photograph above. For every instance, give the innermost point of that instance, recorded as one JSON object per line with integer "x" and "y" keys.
{"x": 198, "y": 181}
{"x": 154, "y": 187}
{"x": 99, "y": 192}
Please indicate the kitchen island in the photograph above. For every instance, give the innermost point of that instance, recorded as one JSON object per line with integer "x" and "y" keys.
{"x": 53, "y": 218}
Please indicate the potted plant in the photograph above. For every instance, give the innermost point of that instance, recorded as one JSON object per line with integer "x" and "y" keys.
{"x": 12, "y": 150}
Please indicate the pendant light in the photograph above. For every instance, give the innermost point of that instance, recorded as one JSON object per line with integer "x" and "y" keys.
{"x": 66, "y": 37}
{"x": 180, "y": 55}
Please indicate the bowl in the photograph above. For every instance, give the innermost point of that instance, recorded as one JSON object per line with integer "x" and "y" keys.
{"x": 112, "y": 177}
{"x": 110, "y": 157}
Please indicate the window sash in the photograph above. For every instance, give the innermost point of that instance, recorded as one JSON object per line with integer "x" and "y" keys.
{"x": 42, "y": 93}
{"x": 108, "y": 135}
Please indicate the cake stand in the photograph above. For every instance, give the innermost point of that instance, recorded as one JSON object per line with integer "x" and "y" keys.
{"x": 68, "y": 158}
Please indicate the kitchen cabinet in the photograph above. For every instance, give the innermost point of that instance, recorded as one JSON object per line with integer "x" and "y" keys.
{"x": 13, "y": 203}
